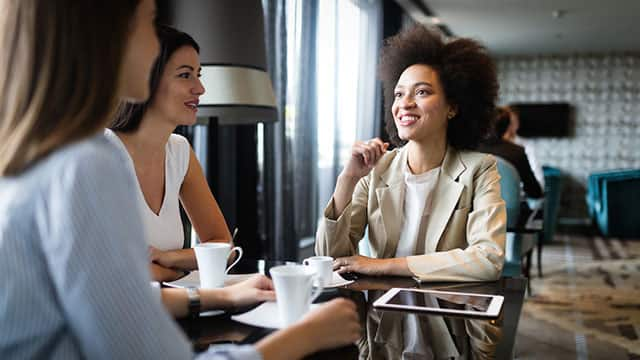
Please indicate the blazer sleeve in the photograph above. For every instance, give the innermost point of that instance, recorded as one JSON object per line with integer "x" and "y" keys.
{"x": 483, "y": 258}
{"x": 338, "y": 235}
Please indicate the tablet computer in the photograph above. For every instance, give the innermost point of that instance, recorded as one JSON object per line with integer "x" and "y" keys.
{"x": 443, "y": 302}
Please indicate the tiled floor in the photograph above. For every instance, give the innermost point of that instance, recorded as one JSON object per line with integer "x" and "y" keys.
{"x": 539, "y": 339}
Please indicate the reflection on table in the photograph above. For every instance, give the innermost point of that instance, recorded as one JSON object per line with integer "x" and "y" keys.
{"x": 391, "y": 334}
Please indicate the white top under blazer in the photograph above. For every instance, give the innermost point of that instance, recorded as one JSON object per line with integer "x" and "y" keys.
{"x": 164, "y": 230}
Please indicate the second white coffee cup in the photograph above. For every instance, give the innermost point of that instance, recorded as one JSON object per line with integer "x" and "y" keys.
{"x": 323, "y": 265}
{"x": 212, "y": 263}
{"x": 294, "y": 291}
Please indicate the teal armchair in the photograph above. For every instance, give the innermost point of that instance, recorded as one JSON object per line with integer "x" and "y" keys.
{"x": 618, "y": 213}
{"x": 613, "y": 201}
{"x": 594, "y": 187}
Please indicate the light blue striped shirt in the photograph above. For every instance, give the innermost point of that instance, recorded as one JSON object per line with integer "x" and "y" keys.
{"x": 74, "y": 281}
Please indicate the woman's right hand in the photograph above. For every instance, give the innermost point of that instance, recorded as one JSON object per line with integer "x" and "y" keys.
{"x": 257, "y": 288}
{"x": 333, "y": 324}
{"x": 364, "y": 157}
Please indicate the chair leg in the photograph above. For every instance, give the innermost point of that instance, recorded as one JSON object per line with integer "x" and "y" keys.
{"x": 528, "y": 268}
{"x": 540, "y": 255}
{"x": 528, "y": 271}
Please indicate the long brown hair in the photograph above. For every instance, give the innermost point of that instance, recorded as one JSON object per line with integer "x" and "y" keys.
{"x": 59, "y": 73}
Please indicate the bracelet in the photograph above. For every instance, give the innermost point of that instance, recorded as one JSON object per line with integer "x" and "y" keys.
{"x": 194, "y": 301}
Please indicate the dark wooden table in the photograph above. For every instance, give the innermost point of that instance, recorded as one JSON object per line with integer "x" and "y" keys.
{"x": 221, "y": 329}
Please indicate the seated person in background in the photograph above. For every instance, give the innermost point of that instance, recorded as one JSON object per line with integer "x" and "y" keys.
{"x": 73, "y": 260}
{"x": 432, "y": 206}
{"x": 512, "y": 135}
{"x": 514, "y": 154}
{"x": 164, "y": 163}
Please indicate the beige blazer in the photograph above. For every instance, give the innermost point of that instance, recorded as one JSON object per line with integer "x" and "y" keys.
{"x": 466, "y": 231}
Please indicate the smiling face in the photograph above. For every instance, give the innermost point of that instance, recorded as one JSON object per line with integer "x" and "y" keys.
{"x": 420, "y": 109}
{"x": 179, "y": 88}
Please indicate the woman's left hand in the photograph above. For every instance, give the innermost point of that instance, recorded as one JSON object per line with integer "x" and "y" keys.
{"x": 360, "y": 264}
{"x": 160, "y": 257}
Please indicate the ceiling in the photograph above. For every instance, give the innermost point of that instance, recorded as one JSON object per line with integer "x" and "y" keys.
{"x": 524, "y": 27}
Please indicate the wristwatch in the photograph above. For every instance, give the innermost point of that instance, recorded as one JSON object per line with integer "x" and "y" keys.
{"x": 194, "y": 301}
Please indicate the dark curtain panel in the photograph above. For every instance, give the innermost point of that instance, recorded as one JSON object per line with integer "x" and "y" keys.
{"x": 276, "y": 196}
{"x": 288, "y": 195}
{"x": 305, "y": 140}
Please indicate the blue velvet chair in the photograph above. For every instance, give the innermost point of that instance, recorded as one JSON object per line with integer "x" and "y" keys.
{"x": 515, "y": 247}
{"x": 612, "y": 200}
{"x": 553, "y": 182}
{"x": 510, "y": 190}
{"x": 618, "y": 209}
{"x": 594, "y": 187}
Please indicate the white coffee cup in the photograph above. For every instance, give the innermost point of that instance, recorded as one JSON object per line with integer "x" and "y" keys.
{"x": 212, "y": 263}
{"x": 323, "y": 265}
{"x": 294, "y": 291}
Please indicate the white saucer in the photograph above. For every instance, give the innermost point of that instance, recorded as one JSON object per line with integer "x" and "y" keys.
{"x": 266, "y": 316}
{"x": 338, "y": 281}
{"x": 193, "y": 280}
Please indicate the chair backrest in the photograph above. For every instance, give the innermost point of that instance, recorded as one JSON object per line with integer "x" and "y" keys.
{"x": 618, "y": 215}
{"x": 553, "y": 182}
{"x": 594, "y": 186}
{"x": 510, "y": 190}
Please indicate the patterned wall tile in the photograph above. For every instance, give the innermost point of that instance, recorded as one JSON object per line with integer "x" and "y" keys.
{"x": 605, "y": 93}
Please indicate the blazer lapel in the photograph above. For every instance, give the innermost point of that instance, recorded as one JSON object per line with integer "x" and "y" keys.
{"x": 446, "y": 196}
{"x": 390, "y": 201}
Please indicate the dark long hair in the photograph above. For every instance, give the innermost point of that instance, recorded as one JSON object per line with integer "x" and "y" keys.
{"x": 501, "y": 122}
{"x": 129, "y": 115}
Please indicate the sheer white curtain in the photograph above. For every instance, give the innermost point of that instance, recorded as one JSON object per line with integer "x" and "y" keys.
{"x": 323, "y": 58}
{"x": 349, "y": 38}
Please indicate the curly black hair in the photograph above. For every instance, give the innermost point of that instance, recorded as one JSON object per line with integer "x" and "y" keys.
{"x": 467, "y": 74}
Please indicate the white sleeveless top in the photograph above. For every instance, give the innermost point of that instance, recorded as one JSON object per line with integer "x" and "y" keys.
{"x": 163, "y": 230}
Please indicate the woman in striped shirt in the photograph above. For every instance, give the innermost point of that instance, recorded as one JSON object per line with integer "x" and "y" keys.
{"x": 73, "y": 263}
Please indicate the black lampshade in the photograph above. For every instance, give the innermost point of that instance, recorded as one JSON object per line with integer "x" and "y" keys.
{"x": 233, "y": 56}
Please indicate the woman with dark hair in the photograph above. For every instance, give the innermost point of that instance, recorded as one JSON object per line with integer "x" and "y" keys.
{"x": 498, "y": 145}
{"x": 73, "y": 269}
{"x": 164, "y": 163}
{"x": 432, "y": 206}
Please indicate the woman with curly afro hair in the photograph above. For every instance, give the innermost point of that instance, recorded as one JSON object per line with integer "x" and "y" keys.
{"x": 432, "y": 205}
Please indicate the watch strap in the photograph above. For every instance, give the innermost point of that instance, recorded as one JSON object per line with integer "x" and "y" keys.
{"x": 194, "y": 301}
